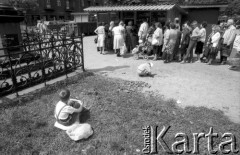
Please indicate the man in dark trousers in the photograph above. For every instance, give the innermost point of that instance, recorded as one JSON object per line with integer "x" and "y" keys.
{"x": 193, "y": 42}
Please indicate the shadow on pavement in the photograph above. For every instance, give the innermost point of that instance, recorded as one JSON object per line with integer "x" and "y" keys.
{"x": 108, "y": 68}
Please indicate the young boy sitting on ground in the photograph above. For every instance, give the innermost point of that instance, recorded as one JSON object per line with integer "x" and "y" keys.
{"x": 67, "y": 110}
{"x": 145, "y": 69}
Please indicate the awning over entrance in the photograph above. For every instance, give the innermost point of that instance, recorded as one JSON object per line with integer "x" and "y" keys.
{"x": 162, "y": 7}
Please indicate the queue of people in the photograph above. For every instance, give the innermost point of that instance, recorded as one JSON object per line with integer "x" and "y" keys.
{"x": 170, "y": 42}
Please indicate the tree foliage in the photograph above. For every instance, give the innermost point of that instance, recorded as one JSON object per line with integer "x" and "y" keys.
{"x": 233, "y": 8}
{"x": 24, "y": 5}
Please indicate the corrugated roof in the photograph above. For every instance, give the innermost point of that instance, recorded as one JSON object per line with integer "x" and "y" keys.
{"x": 162, "y": 7}
{"x": 203, "y": 6}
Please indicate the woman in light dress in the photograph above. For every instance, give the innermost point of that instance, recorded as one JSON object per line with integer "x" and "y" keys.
{"x": 165, "y": 39}
{"x": 100, "y": 31}
{"x": 214, "y": 44}
{"x": 170, "y": 42}
{"x": 157, "y": 40}
{"x": 119, "y": 35}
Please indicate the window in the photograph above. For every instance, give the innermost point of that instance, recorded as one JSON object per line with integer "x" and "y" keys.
{"x": 48, "y": 3}
{"x": 83, "y": 3}
{"x": 58, "y": 2}
{"x": 67, "y": 4}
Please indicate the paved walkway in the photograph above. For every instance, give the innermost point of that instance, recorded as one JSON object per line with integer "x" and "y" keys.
{"x": 195, "y": 84}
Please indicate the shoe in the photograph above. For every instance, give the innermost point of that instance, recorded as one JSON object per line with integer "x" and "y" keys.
{"x": 210, "y": 62}
{"x": 183, "y": 62}
{"x": 165, "y": 61}
{"x": 223, "y": 63}
{"x": 118, "y": 55}
{"x": 198, "y": 61}
{"x": 233, "y": 68}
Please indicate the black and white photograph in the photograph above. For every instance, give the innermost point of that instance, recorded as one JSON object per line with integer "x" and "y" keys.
{"x": 119, "y": 77}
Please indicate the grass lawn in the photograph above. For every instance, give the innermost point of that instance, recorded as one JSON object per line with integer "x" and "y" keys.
{"x": 119, "y": 111}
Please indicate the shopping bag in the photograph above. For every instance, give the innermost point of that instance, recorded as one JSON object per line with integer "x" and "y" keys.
{"x": 135, "y": 50}
{"x": 154, "y": 41}
{"x": 80, "y": 131}
{"x": 123, "y": 50}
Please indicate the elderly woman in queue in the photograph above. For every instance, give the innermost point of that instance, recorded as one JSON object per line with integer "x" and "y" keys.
{"x": 157, "y": 40}
{"x": 119, "y": 35}
{"x": 201, "y": 40}
{"x": 100, "y": 31}
{"x": 170, "y": 42}
{"x": 129, "y": 36}
{"x": 185, "y": 39}
{"x": 216, "y": 36}
{"x": 165, "y": 39}
{"x": 234, "y": 59}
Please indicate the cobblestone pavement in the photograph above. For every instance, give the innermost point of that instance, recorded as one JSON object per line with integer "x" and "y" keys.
{"x": 194, "y": 84}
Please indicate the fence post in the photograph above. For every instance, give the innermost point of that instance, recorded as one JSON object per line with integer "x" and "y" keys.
{"x": 74, "y": 53}
{"x": 51, "y": 40}
{"x": 43, "y": 68}
{"x": 82, "y": 55}
{"x": 13, "y": 76}
{"x": 65, "y": 55}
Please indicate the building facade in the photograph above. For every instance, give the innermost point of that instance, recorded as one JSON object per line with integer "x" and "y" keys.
{"x": 50, "y": 10}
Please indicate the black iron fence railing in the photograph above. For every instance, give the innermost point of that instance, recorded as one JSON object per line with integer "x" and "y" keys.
{"x": 37, "y": 60}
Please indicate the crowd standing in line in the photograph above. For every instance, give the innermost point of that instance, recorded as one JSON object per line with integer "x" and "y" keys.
{"x": 172, "y": 42}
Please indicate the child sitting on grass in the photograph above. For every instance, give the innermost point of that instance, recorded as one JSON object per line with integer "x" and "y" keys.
{"x": 145, "y": 69}
{"x": 67, "y": 110}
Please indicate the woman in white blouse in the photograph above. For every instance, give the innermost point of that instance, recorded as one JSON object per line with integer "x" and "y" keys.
{"x": 214, "y": 43}
{"x": 100, "y": 31}
{"x": 201, "y": 40}
{"x": 157, "y": 40}
{"x": 118, "y": 42}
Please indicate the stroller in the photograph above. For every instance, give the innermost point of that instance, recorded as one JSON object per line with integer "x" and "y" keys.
{"x": 143, "y": 50}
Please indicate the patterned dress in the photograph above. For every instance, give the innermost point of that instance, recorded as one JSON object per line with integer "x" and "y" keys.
{"x": 171, "y": 41}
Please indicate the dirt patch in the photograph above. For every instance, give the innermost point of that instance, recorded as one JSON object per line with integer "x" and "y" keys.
{"x": 197, "y": 84}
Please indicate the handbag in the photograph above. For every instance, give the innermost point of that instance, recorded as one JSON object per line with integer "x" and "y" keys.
{"x": 154, "y": 41}
{"x": 80, "y": 131}
{"x": 226, "y": 51}
{"x": 207, "y": 50}
{"x": 123, "y": 50}
{"x": 95, "y": 40}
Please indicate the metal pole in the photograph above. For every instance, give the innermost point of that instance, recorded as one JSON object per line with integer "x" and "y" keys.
{"x": 82, "y": 53}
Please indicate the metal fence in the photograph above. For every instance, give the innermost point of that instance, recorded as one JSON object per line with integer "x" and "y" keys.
{"x": 37, "y": 60}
